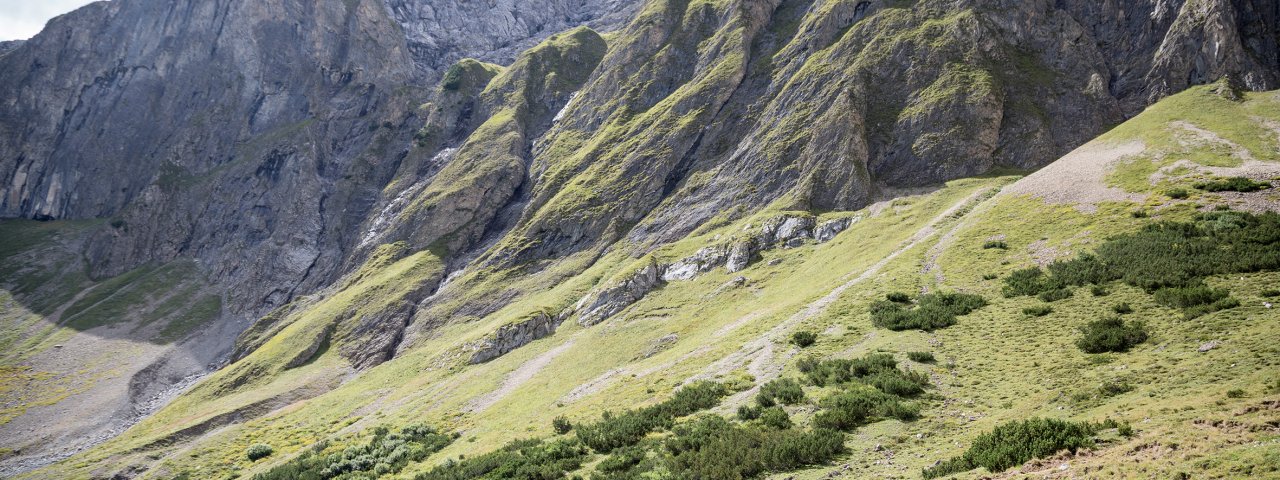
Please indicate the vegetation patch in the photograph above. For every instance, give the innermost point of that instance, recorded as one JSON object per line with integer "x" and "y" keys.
{"x": 628, "y": 428}
{"x": 385, "y": 454}
{"x": 1014, "y": 443}
{"x": 804, "y": 339}
{"x": 1233, "y": 184}
{"x": 931, "y": 311}
{"x": 1111, "y": 335}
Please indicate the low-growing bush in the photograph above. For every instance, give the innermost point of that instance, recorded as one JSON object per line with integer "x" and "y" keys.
{"x": 561, "y": 425}
{"x": 804, "y": 338}
{"x": 627, "y": 428}
{"x": 921, "y": 357}
{"x": 1111, "y": 335}
{"x": 1037, "y": 311}
{"x": 995, "y": 244}
{"x": 1233, "y": 184}
{"x": 524, "y": 459}
{"x": 1014, "y": 443}
{"x": 1054, "y": 295}
{"x": 258, "y": 451}
{"x": 1177, "y": 193}
{"x": 857, "y": 407}
{"x": 898, "y": 297}
{"x": 1235, "y": 393}
{"x": 776, "y": 418}
{"x": 1099, "y": 291}
{"x": 785, "y": 391}
{"x": 384, "y": 454}
{"x": 931, "y": 312}
{"x": 1122, "y": 308}
{"x": 1187, "y": 297}
{"x": 713, "y": 448}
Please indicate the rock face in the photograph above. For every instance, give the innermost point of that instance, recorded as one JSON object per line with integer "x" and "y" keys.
{"x": 278, "y": 143}
{"x": 510, "y": 337}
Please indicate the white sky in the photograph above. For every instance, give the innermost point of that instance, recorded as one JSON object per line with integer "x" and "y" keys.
{"x": 22, "y": 19}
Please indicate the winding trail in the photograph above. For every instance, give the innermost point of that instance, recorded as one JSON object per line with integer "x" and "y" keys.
{"x": 760, "y": 356}
{"x": 519, "y": 377}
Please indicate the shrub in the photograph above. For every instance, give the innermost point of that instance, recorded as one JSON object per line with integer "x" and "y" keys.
{"x": 1178, "y": 193}
{"x": 1140, "y": 214}
{"x": 384, "y": 454}
{"x": 1235, "y": 393}
{"x": 1111, "y": 335}
{"x": 804, "y": 338}
{"x": 713, "y": 448}
{"x": 526, "y": 459}
{"x": 1037, "y": 311}
{"x": 785, "y": 391}
{"x": 1099, "y": 291}
{"x": 1012, "y": 444}
{"x": 561, "y": 425}
{"x": 776, "y": 418}
{"x": 921, "y": 357}
{"x": 628, "y": 428}
{"x": 932, "y": 311}
{"x": 1028, "y": 281}
{"x": 1270, "y": 293}
{"x": 1054, "y": 295}
{"x": 259, "y": 451}
{"x": 990, "y": 276}
{"x": 1122, "y": 308}
{"x": 995, "y": 244}
{"x": 1113, "y": 388}
{"x": 898, "y": 297}
{"x": 854, "y": 408}
{"x": 1187, "y": 297}
{"x": 1233, "y": 184}
{"x": 748, "y": 413}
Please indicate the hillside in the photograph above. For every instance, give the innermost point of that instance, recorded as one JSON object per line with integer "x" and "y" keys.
{"x": 706, "y": 239}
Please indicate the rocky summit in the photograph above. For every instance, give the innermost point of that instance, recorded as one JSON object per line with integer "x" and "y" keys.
{"x": 616, "y": 239}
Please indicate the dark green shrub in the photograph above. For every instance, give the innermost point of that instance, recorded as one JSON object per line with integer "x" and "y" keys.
{"x": 712, "y": 448}
{"x": 258, "y": 451}
{"x": 1111, "y": 335}
{"x": 1122, "y": 308}
{"x": 1054, "y": 295}
{"x": 995, "y": 244}
{"x": 1028, "y": 281}
{"x": 775, "y": 417}
{"x": 804, "y": 338}
{"x": 1037, "y": 311}
{"x": 623, "y": 459}
{"x": 921, "y": 357}
{"x": 1014, "y": 443}
{"x": 1113, "y": 388}
{"x": 521, "y": 459}
{"x": 748, "y": 413}
{"x": 383, "y": 454}
{"x": 1187, "y": 297}
{"x": 898, "y": 297}
{"x": 1178, "y": 193}
{"x": 1270, "y": 293}
{"x": 1233, "y": 184}
{"x": 1235, "y": 393}
{"x": 785, "y": 391}
{"x": 1202, "y": 310}
{"x": 931, "y": 312}
{"x": 561, "y": 425}
{"x": 628, "y": 428}
{"x": 1140, "y": 214}
{"x": 1099, "y": 291}
{"x": 857, "y": 407}
{"x": 990, "y": 276}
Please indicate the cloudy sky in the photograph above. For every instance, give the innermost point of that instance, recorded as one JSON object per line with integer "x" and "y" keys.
{"x": 21, "y": 19}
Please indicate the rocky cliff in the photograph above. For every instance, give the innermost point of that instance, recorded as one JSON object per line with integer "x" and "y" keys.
{"x": 375, "y": 171}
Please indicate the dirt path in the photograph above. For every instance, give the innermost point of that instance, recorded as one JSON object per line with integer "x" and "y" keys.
{"x": 931, "y": 265}
{"x": 519, "y": 376}
{"x": 759, "y": 355}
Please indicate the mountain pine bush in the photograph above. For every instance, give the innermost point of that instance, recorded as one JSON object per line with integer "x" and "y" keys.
{"x": 1014, "y": 443}
{"x": 1111, "y": 335}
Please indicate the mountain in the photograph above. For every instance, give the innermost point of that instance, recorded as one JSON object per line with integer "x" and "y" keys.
{"x": 287, "y": 222}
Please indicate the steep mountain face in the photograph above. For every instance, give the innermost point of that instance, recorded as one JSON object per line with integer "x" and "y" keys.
{"x": 367, "y": 178}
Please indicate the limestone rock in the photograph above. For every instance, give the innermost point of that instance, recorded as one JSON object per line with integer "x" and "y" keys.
{"x": 609, "y": 301}
{"x": 510, "y": 337}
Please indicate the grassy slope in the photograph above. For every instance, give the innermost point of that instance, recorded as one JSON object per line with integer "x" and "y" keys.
{"x": 995, "y": 365}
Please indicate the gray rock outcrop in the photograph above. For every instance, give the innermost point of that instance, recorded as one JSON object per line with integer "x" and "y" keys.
{"x": 510, "y": 337}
